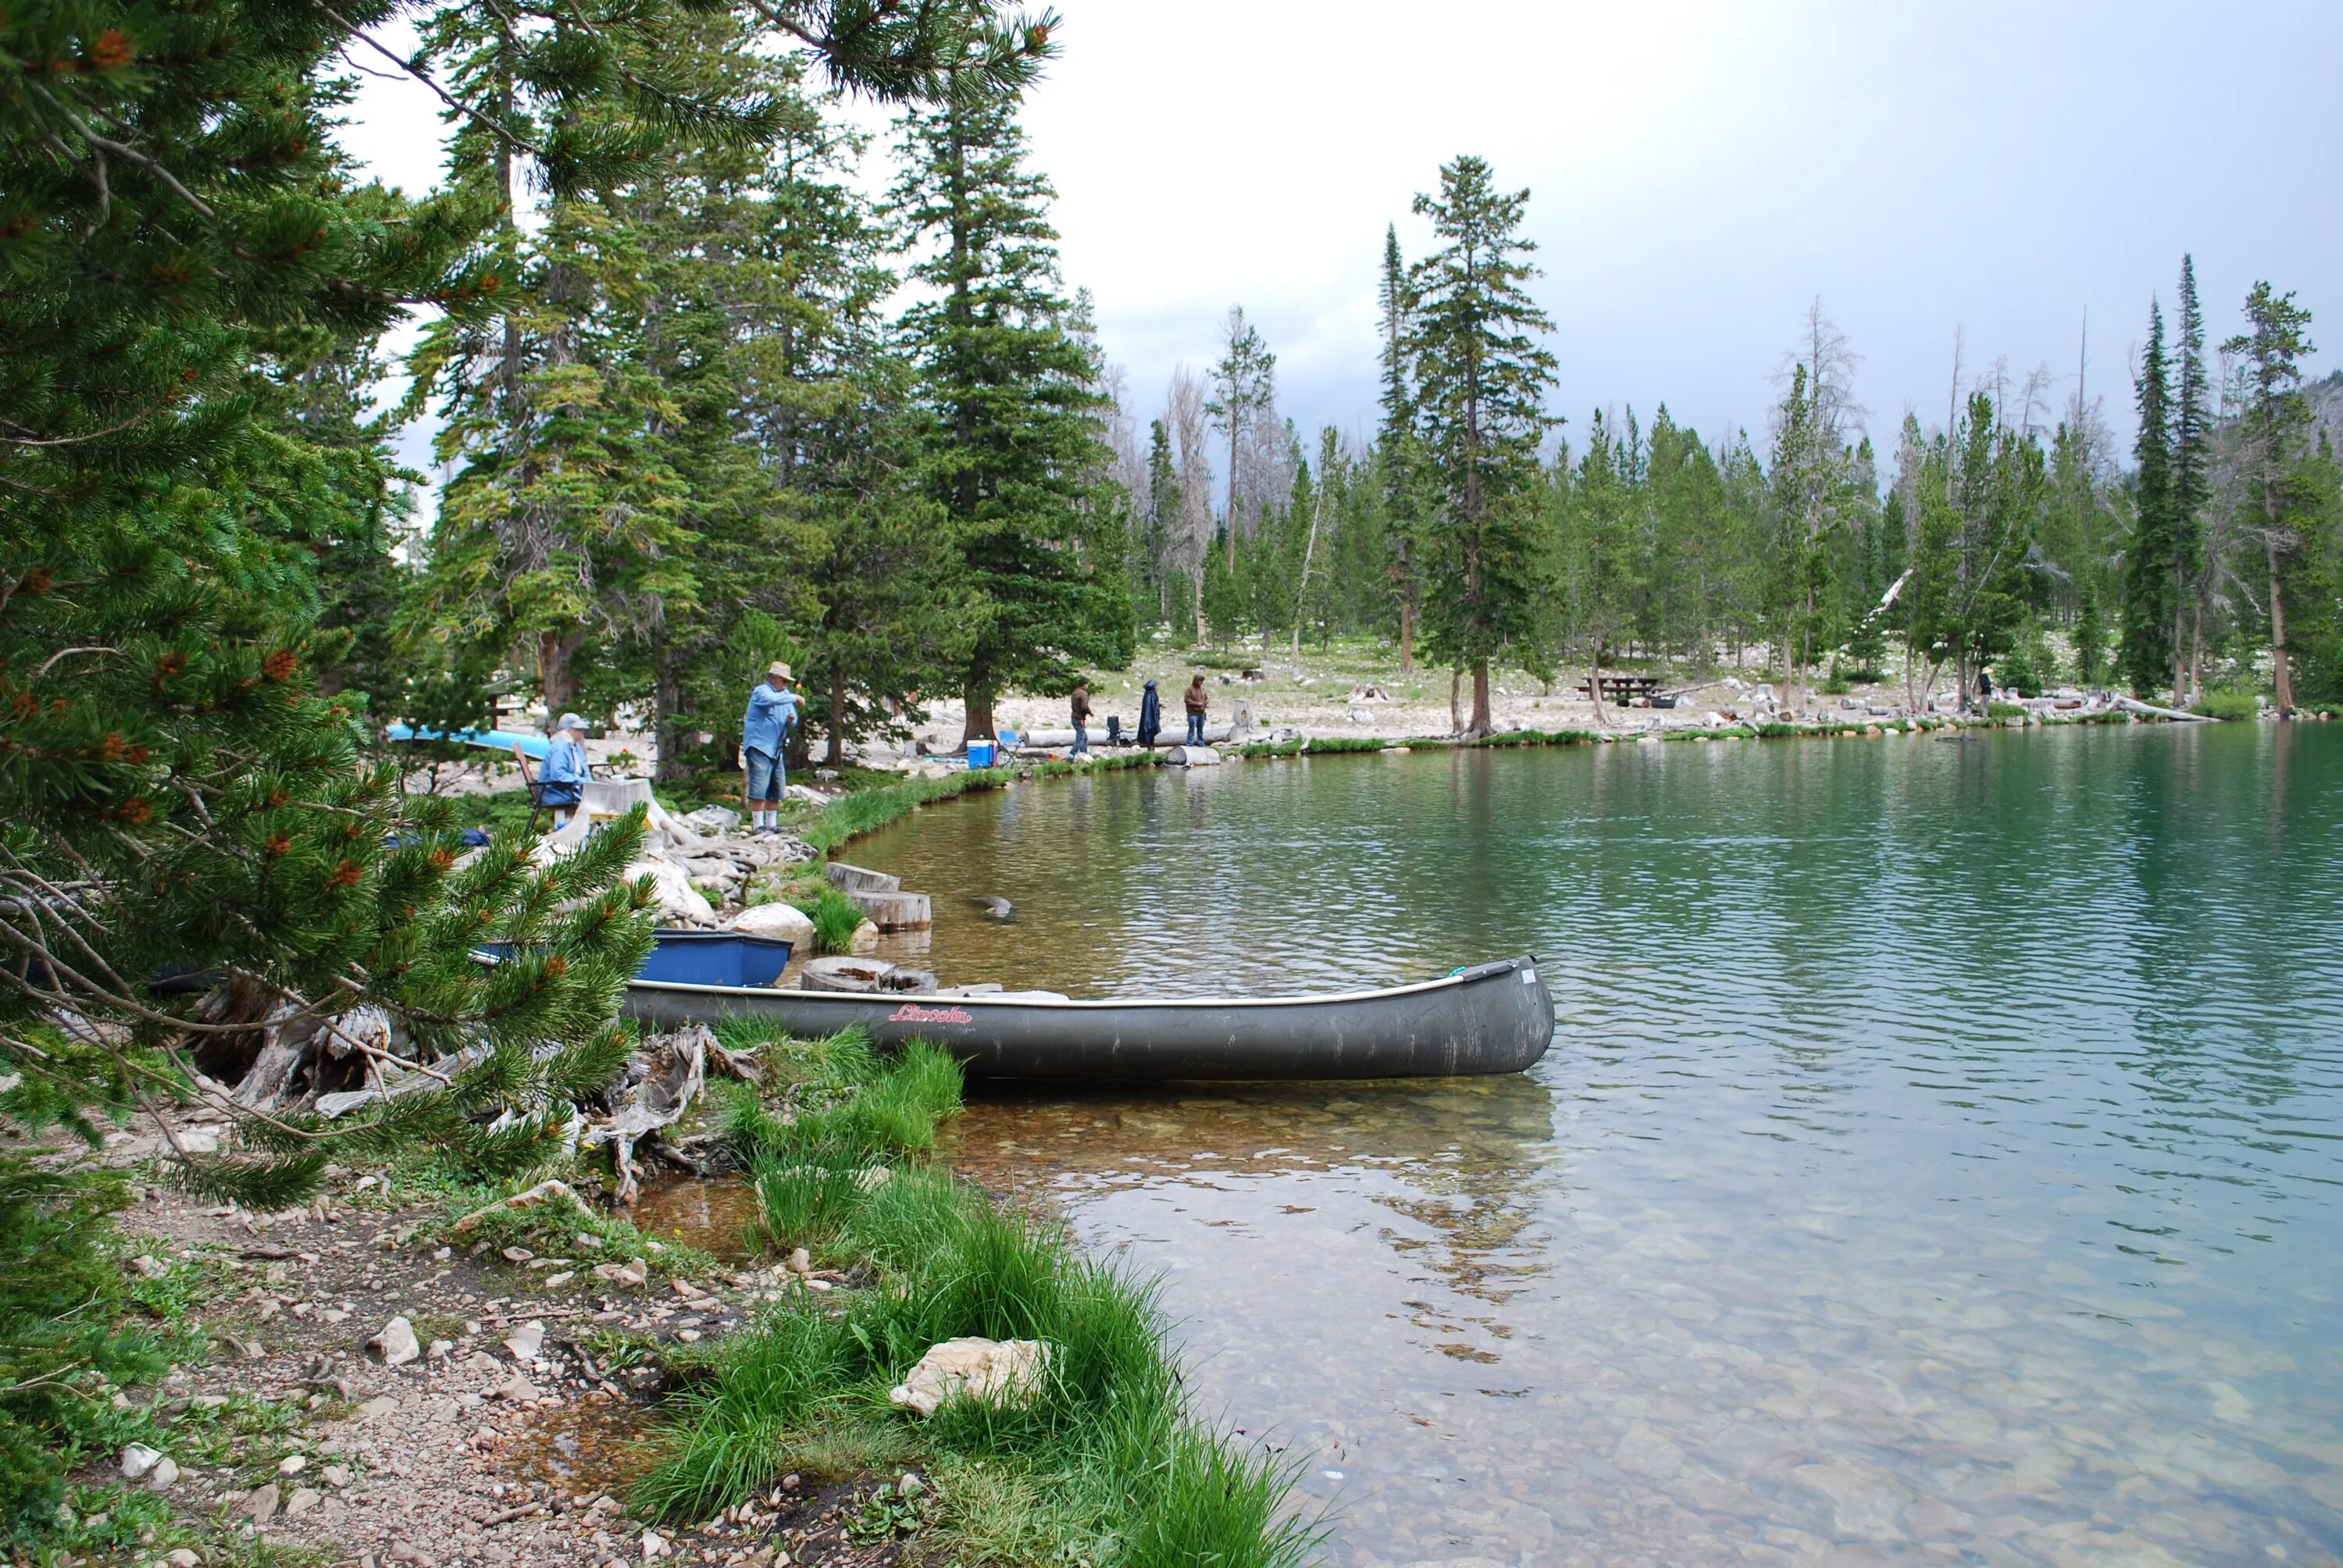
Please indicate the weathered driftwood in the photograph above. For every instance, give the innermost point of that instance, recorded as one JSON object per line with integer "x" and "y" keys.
{"x": 676, "y": 1071}
{"x": 2133, "y": 705}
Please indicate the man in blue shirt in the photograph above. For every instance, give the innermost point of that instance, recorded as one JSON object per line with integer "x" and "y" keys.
{"x": 561, "y": 780}
{"x": 764, "y": 730}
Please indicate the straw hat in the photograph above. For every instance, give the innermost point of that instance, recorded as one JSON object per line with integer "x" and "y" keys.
{"x": 780, "y": 669}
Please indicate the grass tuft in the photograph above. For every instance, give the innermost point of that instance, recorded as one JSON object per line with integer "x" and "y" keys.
{"x": 1102, "y": 1465}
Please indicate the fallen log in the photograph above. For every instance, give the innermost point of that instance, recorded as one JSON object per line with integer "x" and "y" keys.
{"x": 2132, "y": 705}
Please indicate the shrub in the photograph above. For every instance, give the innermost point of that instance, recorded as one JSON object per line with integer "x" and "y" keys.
{"x": 2227, "y": 705}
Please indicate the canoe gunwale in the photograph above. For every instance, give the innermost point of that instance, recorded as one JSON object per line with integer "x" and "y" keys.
{"x": 1416, "y": 988}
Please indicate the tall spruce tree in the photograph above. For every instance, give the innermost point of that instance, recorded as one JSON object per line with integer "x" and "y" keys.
{"x": 2151, "y": 556}
{"x": 1396, "y": 443}
{"x": 2192, "y": 485}
{"x": 2271, "y": 427}
{"x": 1011, "y": 448}
{"x": 1480, "y": 382}
{"x": 1163, "y": 579}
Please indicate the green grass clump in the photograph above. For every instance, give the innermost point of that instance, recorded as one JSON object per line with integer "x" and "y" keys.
{"x": 835, "y": 918}
{"x": 2003, "y": 710}
{"x": 2230, "y": 705}
{"x": 1542, "y": 738}
{"x": 1102, "y": 1466}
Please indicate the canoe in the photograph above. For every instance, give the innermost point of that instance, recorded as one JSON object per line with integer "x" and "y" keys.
{"x": 1490, "y": 1019}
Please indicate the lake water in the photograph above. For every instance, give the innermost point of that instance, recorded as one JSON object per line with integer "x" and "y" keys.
{"x": 1939, "y": 1147}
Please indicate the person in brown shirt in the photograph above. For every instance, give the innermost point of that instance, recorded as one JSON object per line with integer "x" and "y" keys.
{"x": 1082, "y": 706}
{"x": 1196, "y": 703}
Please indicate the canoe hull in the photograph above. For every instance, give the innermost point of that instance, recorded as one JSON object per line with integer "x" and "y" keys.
{"x": 1493, "y": 1018}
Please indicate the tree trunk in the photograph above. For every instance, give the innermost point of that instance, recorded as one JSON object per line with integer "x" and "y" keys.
{"x": 979, "y": 717}
{"x": 1594, "y": 686}
{"x": 2277, "y": 634}
{"x": 555, "y": 681}
{"x": 1455, "y": 711}
{"x": 1481, "y": 725}
{"x": 836, "y": 757}
{"x": 1406, "y": 637}
{"x": 666, "y": 724}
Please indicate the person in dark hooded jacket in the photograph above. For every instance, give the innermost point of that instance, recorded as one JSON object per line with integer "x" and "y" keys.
{"x": 1151, "y": 716}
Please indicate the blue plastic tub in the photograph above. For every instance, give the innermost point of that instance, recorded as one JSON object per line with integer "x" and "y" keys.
{"x": 981, "y": 753}
{"x": 701, "y": 957}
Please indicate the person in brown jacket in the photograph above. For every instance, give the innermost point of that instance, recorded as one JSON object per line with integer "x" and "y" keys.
{"x": 1082, "y": 706}
{"x": 1197, "y": 702}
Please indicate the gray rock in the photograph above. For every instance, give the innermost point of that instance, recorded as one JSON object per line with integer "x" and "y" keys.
{"x": 526, "y": 1341}
{"x": 396, "y": 1345}
{"x": 165, "y": 1476}
{"x": 262, "y": 1506}
{"x": 138, "y": 1459}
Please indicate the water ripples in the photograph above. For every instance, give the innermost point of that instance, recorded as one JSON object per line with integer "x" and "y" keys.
{"x": 1940, "y": 1143}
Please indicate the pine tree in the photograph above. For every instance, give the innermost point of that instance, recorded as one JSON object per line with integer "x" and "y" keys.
{"x": 1396, "y": 444}
{"x": 192, "y": 279}
{"x": 2271, "y": 427}
{"x": 1600, "y": 549}
{"x": 2191, "y": 485}
{"x": 1162, "y": 520}
{"x": 1010, "y": 449}
{"x": 2151, "y": 560}
{"x": 1480, "y": 382}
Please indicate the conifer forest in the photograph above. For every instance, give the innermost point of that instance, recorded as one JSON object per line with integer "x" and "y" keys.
{"x": 742, "y": 334}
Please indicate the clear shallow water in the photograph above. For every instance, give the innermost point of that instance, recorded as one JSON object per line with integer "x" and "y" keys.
{"x": 1939, "y": 1148}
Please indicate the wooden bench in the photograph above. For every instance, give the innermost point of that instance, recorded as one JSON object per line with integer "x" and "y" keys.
{"x": 1621, "y": 687}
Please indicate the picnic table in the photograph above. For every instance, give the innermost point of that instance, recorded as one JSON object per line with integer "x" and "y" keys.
{"x": 1621, "y": 687}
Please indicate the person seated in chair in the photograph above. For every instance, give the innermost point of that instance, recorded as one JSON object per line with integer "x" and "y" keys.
{"x": 561, "y": 778}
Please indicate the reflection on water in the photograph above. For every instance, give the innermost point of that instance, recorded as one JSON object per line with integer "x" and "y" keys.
{"x": 585, "y": 1443}
{"x": 1940, "y": 1147}
{"x": 717, "y": 1216}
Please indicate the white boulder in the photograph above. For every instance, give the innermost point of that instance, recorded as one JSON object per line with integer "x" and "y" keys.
{"x": 679, "y": 903}
{"x": 783, "y": 922}
{"x": 1004, "y": 1371}
{"x": 396, "y": 1344}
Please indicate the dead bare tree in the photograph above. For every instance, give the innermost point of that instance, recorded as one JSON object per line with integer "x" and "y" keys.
{"x": 1189, "y": 535}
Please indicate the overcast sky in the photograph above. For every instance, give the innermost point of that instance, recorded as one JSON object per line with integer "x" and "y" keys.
{"x": 1699, "y": 173}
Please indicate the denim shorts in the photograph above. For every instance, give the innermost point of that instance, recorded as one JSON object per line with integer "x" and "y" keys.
{"x": 767, "y": 777}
